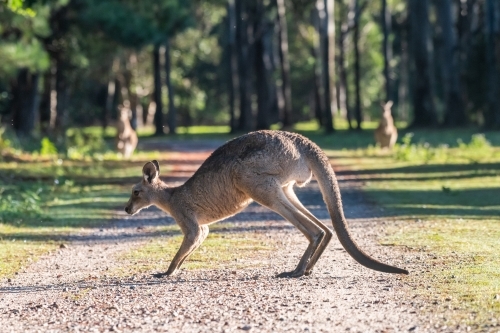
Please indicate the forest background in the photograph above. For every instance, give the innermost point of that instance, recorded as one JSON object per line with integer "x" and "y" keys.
{"x": 247, "y": 64}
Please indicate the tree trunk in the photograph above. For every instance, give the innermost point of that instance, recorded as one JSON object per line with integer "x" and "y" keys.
{"x": 48, "y": 86}
{"x": 172, "y": 113}
{"x": 357, "y": 69}
{"x": 158, "y": 118}
{"x": 330, "y": 30}
{"x": 322, "y": 6}
{"x": 111, "y": 92}
{"x": 343, "y": 96}
{"x": 25, "y": 103}
{"x": 386, "y": 48}
{"x": 423, "y": 105}
{"x": 319, "y": 101}
{"x": 455, "y": 111}
{"x": 62, "y": 97}
{"x": 233, "y": 64}
{"x": 493, "y": 61}
{"x": 284, "y": 63}
{"x": 243, "y": 29}
{"x": 263, "y": 70}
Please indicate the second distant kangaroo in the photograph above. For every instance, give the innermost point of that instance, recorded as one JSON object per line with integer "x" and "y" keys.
{"x": 126, "y": 137}
{"x": 386, "y": 133}
{"x": 262, "y": 166}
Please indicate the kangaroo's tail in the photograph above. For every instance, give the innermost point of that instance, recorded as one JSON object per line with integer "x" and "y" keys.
{"x": 321, "y": 168}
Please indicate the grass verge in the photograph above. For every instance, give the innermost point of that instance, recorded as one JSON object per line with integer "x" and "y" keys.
{"x": 446, "y": 211}
{"x": 221, "y": 250}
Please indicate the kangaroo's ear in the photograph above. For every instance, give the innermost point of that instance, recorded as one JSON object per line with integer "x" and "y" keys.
{"x": 150, "y": 172}
{"x": 157, "y": 165}
{"x": 389, "y": 104}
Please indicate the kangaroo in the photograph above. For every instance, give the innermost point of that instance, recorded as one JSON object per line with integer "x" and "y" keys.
{"x": 262, "y": 166}
{"x": 126, "y": 138}
{"x": 386, "y": 133}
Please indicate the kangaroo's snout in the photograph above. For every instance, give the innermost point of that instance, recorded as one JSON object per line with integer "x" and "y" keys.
{"x": 127, "y": 210}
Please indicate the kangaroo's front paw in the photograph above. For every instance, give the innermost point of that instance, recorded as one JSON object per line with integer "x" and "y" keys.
{"x": 160, "y": 275}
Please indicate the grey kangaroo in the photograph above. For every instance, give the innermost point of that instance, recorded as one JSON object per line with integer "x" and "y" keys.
{"x": 262, "y": 166}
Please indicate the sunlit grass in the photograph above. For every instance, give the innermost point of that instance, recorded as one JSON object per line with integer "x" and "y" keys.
{"x": 219, "y": 250}
{"x": 449, "y": 208}
{"x": 16, "y": 253}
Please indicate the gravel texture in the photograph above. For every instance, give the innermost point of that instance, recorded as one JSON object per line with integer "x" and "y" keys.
{"x": 73, "y": 288}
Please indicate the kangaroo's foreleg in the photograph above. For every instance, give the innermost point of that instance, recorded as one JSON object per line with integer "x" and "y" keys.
{"x": 192, "y": 240}
{"x": 289, "y": 192}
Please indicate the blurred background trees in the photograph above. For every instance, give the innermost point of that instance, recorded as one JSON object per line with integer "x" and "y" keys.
{"x": 249, "y": 64}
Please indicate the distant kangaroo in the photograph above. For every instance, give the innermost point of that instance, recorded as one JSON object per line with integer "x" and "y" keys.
{"x": 261, "y": 166}
{"x": 386, "y": 133}
{"x": 126, "y": 138}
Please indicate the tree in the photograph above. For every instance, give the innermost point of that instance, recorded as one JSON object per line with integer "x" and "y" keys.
{"x": 232, "y": 64}
{"x": 325, "y": 9}
{"x": 385, "y": 16}
{"x": 245, "y": 35}
{"x": 172, "y": 114}
{"x": 493, "y": 61}
{"x": 158, "y": 119}
{"x": 284, "y": 63}
{"x": 455, "y": 111}
{"x": 423, "y": 105}
{"x": 357, "y": 63}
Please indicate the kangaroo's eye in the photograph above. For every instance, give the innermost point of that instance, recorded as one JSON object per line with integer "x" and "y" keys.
{"x": 136, "y": 193}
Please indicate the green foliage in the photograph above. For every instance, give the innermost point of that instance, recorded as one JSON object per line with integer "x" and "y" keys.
{"x": 80, "y": 143}
{"x": 47, "y": 147}
{"x": 479, "y": 148}
{"x": 20, "y": 204}
{"x": 5, "y": 143}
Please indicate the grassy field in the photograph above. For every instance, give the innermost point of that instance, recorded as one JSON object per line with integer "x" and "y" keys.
{"x": 441, "y": 186}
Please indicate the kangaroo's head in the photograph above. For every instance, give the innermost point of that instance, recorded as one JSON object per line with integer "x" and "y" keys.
{"x": 386, "y": 116}
{"x": 144, "y": 193}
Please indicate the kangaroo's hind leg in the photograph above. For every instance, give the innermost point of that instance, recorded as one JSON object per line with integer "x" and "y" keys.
{"x": 272, "y": 196}
{"x": 290, "y": 194}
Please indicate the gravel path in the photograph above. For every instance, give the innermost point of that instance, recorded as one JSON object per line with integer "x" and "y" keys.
{"x": 73, "y": 290}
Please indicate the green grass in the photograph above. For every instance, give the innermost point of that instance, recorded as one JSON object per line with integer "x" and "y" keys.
{"x": 448, "y": 206}
{"x": 218, "y": 250}
{"x": 440, "y": 178}
{"x": 43, "y": 199}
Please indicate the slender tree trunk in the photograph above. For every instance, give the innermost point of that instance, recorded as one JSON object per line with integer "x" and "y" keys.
{"x": 493, "y": 60}
{"x": 318, "y": 76}
{"x": 110, "y": 98}
{"x": 423, "y": 106}
{"x": 25, "y": 103}
{"x": 48, "y": 85}
{"x": 172, "y": 114}
{"x": 357, "y": 64}
{"x": 386, "y": 48}
{"x": 403, "y": 103}
{"x": 158, "y": 118}
{"x": 135, "y": 106}
{"x": 263, "y": 69}
{"x": 330, "y": 30}
{"x": 243, "y": 30}
{"x": 455, "y": 111}
{"x": 343, "y": 95}
{"x": 62, "y": 97}
{"x": 284, "y": 64}
{"x": 325, "y": 48}
{"x": 233, "y": 65}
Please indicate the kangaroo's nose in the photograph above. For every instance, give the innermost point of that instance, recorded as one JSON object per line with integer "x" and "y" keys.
{"x": 127, "y": 210}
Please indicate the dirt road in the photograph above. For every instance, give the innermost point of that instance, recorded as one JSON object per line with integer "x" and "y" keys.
{"x": 73, "y": 290}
